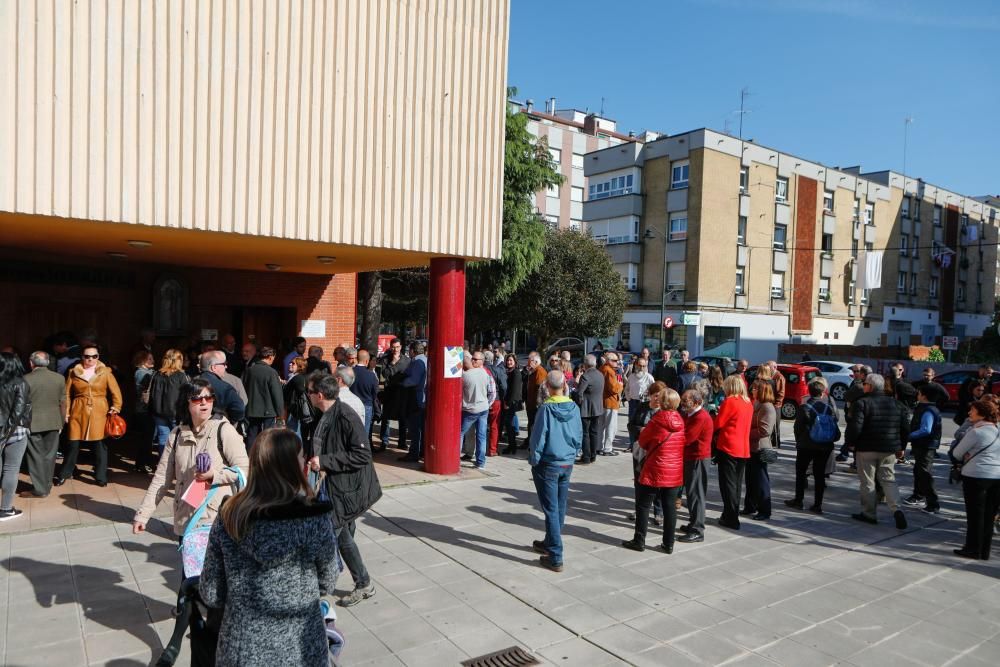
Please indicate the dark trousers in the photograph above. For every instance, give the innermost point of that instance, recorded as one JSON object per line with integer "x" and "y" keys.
{"x": 100, "y": 458}
{"x": 982, "y": 500}
{"x": 415, "y": 431}
{"x": 817, "y": 457}
{"x": 644, "y": 498}
{"x": 758, "y": 495}
{"x": 532, "y": 411}
{"x": 696, "y": 488}
{"x": 41, "y": 457}
{"x": 141, "y": 432}
{"x": 352, "y": 555}
{"x": 384, "y": 428}
{"x": 730, "y": 483}
{"x": 592, "y": 440}
{"x": 923, "y": 481}
{"x": 509, "y": 427}
{"x": 255, "y": 426}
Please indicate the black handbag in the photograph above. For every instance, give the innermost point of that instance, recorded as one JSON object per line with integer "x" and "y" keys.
{"x": 769, "y": 455}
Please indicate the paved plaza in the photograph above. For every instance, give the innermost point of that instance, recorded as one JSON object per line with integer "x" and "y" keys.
{"x": 456, "y": 578}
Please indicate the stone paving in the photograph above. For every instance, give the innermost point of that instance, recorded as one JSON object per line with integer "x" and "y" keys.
{"x": 457, "y": 578}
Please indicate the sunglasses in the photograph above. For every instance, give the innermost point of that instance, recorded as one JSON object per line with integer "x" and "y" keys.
{"x": 91, "y": 356}
{"x": 202, "y": 399}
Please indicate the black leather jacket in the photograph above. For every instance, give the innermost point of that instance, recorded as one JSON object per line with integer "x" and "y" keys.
{"x": 15, "y": 407}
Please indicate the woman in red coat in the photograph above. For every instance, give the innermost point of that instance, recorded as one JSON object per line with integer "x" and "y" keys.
{"x": 732, "y": 426}
{"x": 661, "y": 475}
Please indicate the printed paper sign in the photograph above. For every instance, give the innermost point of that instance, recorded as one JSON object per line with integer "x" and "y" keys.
{"x": 313, "y": 329}
{"x": 453, "y": 361}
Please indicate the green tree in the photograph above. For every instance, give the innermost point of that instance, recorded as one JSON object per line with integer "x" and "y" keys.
{"x": 576, "y": 290}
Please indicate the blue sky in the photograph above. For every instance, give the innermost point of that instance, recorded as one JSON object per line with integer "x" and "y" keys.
{"x": 830, "y": 80}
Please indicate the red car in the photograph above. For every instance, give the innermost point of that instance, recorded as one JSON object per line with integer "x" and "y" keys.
{"x": 797, "y": 377}
{"x": 953, "y": 380}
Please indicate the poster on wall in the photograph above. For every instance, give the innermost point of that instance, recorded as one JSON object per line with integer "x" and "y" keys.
{"x": 313, "y": 329}
{"x": 453, "y": 361}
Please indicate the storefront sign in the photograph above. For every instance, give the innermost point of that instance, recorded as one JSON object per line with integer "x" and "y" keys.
{"x": 313, "y": 329}
{"x": 691, "y": 319}
{"x": 949, "y": 342}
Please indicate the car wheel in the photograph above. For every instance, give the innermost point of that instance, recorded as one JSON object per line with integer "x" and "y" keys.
{"x": 788, "y": 411}
{"x": 839, "y": 392}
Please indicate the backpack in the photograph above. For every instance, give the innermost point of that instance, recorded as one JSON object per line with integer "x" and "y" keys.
{"x": 824, "y": 427}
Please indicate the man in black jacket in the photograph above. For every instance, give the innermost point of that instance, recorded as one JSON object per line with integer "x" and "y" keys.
{"x": 877, "y": 430}
{"x": 854, "y": 392}
{"x": 590, "y": 396}
{"x": 340, "y": 449}
{"x": 227, "y": 403}
{"x": 265, "y": 400}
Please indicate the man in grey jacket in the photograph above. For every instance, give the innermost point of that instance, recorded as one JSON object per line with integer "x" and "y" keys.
{"x": 590, "y": 394}
{"x": 48, "y": 411}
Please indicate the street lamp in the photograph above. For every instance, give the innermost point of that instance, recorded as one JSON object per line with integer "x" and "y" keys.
{"x": 663, "y": 292}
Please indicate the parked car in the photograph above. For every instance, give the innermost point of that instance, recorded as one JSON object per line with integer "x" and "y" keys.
{"x": 838, "y": 375}
{"x": 797, "y": 377}
{"x": 728, "y": 365}
{"x": 574, "y": 345}
{"x": 953, "y": 381}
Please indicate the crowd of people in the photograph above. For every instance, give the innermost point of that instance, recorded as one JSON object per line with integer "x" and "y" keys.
{"x": 278, "y": 448}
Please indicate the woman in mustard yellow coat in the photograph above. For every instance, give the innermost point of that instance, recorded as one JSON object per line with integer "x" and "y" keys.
{"x": 92, "y": 394}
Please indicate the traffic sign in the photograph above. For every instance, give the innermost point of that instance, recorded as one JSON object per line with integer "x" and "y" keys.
{"x": 949, "y": 342}
{"x": 668, "y": 323}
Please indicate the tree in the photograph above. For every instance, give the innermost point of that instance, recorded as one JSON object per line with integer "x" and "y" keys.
{"x": 576, "y": 290}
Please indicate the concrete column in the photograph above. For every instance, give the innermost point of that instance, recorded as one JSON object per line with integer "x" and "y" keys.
{"x": 442, "y": 448}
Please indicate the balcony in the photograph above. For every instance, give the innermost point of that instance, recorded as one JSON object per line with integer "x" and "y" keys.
{"x": 745, "y": 205}
{"x": 782, "y": 214}
{"x": 825, "y": 308}
{"x": 856, "y": 231}
{"x": 624, "y": 253}
{"x": 780, "y": 262}
{"x": 742, "y": 302}
{"x": 829, "y": 223}
{"x": 677, "y": 200}
{"x": 742, "y": 255}
{"x": 612, "y": 207}
{"x": 869, "y": 233}
{"x": 826, "y": 266}
{"x": 779, "y": 304}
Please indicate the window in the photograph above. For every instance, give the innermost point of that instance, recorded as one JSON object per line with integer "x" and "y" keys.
{"x": 576, "y": 194}
{"x": 869, "y": 214}
{"x": 913, "y": 283}
{"x": 551, "y": 221}
{"x": 780, "y": 236}
{"x": 906, "y": 207}
{"x": 824, "y": 289}
{"x": 575, "y": 225}
{"x": 781, "y": 190}
{"x": 678, "y": 227}
{"x": 777, "y": 285}
{"x": 937, "y": 216}
{"x": 614, "y": 187}
{"x": 629, "y": 274}
{"x": 857, "y": 209}
{"x": 722, "y": 341}
{"x": 933, "y": 287}
{"x": 828, "y": 201}
{"x": 865, "y": 296}
{"x": 869, "y": 247}
{"x": 961, "y": 291}
{"x": 915, "y": 209}
{"x": 901, "y": 283}
{"x": 556, "y": 155}
{"x": 744, "y": 179}
{"x": 741, "y": 230}
{"x": 679, "y": 175}
{"x": 616, "y": 230}
{"x": 904, "y": 241}
{"x": 740, "y": 283}
{"x": 854, "y": 248}
{"x": 915, "y": 246}
{"x": 827, "y": 244}
{"x": 577, "y": 161}
{"x": 552, "y": 190}
{"x": 675, "y": 276}
{"x": 851, "y": 288}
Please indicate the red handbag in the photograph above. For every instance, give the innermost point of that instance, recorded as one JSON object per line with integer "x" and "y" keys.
{"x": 115, "y": 426}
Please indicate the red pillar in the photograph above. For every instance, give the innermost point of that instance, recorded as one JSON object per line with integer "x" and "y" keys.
{"x": 444, "y": 395}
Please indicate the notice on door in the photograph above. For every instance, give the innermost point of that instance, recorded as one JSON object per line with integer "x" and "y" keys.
{"x": 313, "y": 329}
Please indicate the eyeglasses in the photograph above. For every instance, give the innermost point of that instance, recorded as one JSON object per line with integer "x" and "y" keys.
{"x": 312, "y": 392}
{"x": 202, "y": 399}
{"x": 91, "y": 356}
{"x": 220, "y": 363}
{"x": 477, "y": 358}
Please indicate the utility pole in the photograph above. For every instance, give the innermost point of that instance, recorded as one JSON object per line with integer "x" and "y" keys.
{"x": 744, "y": 94}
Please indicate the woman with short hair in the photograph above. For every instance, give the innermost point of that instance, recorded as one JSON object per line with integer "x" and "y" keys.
{"x": 977, "y": 456}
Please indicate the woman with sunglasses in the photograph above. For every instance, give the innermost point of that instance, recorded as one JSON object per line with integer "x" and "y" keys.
{"x": 196, "y": 434}
{"x": 89, "y": 386}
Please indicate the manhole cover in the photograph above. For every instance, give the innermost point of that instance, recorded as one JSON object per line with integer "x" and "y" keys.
{"x": 508, "y": 657}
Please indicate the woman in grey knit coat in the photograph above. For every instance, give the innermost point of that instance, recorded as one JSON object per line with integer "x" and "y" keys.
{"x": 271, "y": 557}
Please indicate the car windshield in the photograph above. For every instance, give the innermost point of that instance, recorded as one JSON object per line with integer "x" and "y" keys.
{"x": 812, "y": 374}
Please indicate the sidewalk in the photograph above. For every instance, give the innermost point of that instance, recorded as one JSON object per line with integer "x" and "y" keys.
{"x": 457, "y": 578}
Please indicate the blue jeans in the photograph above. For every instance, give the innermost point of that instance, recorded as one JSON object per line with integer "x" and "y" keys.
{"x": 162, "y": 428}
{"x": 479, "y": 419}
{"x": 415, "y": 430}
{"x": 552, "y": 484}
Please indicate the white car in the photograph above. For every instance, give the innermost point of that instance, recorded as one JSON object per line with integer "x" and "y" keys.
{"x": 837, "y": 374}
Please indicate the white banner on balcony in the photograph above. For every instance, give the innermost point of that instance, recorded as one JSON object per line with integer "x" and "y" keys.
{"x": 870, "y": 269}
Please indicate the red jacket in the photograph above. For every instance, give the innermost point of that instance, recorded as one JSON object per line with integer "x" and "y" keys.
{"x": 698, "y": 430}
{"x": 666, "y": 467}
{"x": 732, "y": 426}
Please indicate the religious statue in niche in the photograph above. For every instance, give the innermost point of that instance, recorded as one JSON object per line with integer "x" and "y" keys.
{"x": 170, "y": 306}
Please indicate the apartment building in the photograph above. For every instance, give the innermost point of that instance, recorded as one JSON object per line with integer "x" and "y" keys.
{"x": 740, "y": 247}
{"x": 570, "y": 134}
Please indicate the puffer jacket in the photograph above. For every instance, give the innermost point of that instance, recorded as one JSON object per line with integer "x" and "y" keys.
{"x": 663, "y": 439}
{"x": 15, "y": 407}
{"x": 876, "y": 423}
{"x": 176, "y": 469}
{"x": 270, "y": 583}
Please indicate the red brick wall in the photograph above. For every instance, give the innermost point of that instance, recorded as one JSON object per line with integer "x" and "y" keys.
{"x": 804, "y": 255}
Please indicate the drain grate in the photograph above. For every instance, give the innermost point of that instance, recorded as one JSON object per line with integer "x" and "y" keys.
{"x": 508, "y": 657}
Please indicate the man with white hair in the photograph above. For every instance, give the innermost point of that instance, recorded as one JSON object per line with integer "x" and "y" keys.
{"x": 227, "y": 402}
{"x": 553, "y": 446}
{"x": 345, "y": 378}
{"x": 478, "y": 394}
{"x": 534, "y": 379}
{"x": 590, "y": 394}
{"x": 47, "y": 392}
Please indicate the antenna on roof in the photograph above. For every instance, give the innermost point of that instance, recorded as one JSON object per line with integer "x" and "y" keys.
{"x": 744, "y": 94}
{"x": 602, "y": 107}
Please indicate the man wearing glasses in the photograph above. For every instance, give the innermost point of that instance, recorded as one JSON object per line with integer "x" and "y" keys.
{"x": 227, "y": 403}
{"x": 478, "y": 393}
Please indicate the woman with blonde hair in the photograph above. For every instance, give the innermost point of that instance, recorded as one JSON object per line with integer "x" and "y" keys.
{"x": 271, "y": 558}
{"x": 164, "y": 392}
{"x": 732, "y": 447}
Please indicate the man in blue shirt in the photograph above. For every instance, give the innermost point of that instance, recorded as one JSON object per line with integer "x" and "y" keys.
{"x": 365, "y": 384}
{"x": 925, "y": 436}
{"x": 414, "y": 383}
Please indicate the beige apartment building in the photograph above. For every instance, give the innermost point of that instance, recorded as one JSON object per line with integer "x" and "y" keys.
{"x": 742, "y": 247}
